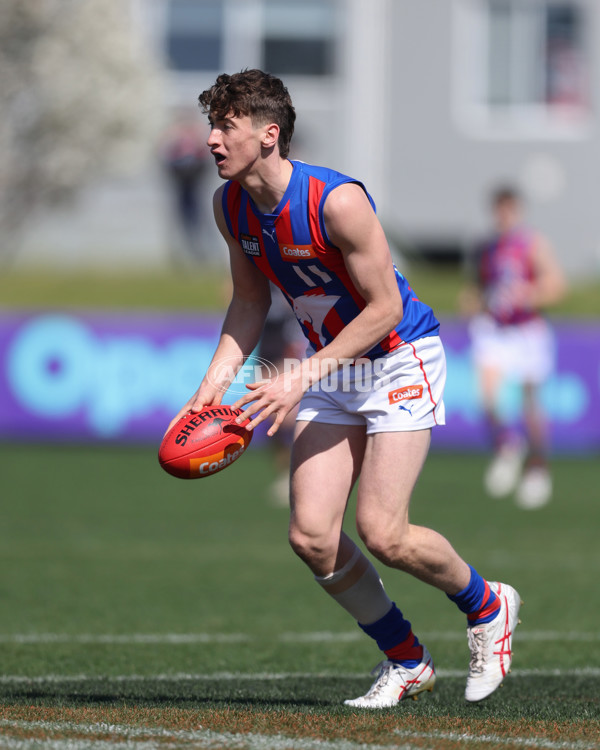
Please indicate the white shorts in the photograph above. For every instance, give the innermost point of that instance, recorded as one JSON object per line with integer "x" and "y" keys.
{"x": 399, "y": 392}
{"x": 524, "y": 352}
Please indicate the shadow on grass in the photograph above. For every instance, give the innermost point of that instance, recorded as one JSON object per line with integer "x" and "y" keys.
{"x": 534, "y": 698}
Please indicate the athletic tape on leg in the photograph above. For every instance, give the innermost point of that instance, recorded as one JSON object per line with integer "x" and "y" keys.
{"x": 358, "y": 589}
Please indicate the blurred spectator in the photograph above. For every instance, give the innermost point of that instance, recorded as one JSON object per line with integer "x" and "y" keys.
{"x": 282, "y": 339}
{"x": 185, "y": 157}
{"x": 516, "y": 276}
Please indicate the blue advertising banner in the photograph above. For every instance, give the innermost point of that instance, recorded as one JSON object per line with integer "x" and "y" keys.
{"x": 122, "y": 376}
{"x": 570, "y": 398}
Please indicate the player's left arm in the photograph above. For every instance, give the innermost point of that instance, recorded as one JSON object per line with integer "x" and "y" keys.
{"x": 353, "y": 227}
{"x": 549, "y": 284}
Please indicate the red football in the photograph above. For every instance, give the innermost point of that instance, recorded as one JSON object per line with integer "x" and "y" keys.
{"x": 203, "y": 443}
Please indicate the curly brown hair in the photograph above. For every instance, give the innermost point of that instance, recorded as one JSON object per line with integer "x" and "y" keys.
{"x": 255, "y": 94}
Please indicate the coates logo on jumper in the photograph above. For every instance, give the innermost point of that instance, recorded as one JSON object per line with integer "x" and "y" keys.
{"x": 231, "y": 374}
{"x": 293, "y": 253}
{"x": 405, "y": 394}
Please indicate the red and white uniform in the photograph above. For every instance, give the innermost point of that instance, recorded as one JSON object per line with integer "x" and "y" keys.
{"x": 510, "y": 336}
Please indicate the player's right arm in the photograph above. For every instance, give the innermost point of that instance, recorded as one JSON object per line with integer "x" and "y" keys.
{"x": 243, "y": 324}
{"x": 549, "y": 285}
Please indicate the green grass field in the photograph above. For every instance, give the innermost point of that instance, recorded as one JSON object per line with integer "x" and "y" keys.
{"x": 142, "y": 611}
{"x": 208, "y": 289}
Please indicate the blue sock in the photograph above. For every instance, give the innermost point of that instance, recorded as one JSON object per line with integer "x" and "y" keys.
{"x": 393, "y": 635}
{"x": 477, "y": 600}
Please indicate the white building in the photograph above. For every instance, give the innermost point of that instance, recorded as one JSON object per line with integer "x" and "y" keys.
{"x": 429, "y": 102}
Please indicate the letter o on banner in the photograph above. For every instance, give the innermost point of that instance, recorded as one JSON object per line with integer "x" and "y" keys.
{"x": 48, "y": 365}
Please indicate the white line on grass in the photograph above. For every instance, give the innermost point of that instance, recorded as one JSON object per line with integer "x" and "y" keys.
{"x": 268, "y": 676}
{"x": 141, "y": 738}
{"x": 457, "y": 635}
{"x": 127, "y": 639}
{"x": 497, "y": 739}
{"x": 16, "y": 743}
{"x": 311, "y": 637}
{"x": 147, "y": 738}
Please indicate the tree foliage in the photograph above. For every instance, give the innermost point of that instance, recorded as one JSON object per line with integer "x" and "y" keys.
{"x": 78, "y": 89}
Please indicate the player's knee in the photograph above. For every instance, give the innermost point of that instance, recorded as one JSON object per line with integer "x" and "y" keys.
{"x": 390, "y": 545}
{"x": 304, "y": 545}
{"x": 309, "y": 547}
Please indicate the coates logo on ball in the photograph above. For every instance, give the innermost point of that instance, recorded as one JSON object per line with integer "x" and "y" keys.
{"x": 203, "y": 443}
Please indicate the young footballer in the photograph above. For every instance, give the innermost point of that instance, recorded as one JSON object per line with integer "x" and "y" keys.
{"x": 369, "y": 390}
{"x": 516, "y": 277}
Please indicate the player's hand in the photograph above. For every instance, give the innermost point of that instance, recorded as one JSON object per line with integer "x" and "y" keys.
{"x": 516, "y": 295}
{"x": 276, "y": 396}
{"x": 206, "y": 395}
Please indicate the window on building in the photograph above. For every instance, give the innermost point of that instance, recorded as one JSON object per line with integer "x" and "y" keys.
{"x": 194, "y": 38}
{"x": 523, "y": 63}
{"x": 565, "y": 59}
{"x": 299, "y": 37}
{"x": 535, "y": 54}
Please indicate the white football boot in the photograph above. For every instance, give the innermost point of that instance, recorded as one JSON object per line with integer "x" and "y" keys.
{"x": 395, "y": 682}
{"x": 535, "y": 489}
{"x": 491, "y": 645}
{"x": 503, "y": 473}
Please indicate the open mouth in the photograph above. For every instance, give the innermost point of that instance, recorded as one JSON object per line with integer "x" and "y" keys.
{"x": 219, "y": 158}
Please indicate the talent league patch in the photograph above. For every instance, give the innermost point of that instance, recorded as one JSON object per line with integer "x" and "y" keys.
{"x": 250, "y": 244}
{"x": 405, "y": 394}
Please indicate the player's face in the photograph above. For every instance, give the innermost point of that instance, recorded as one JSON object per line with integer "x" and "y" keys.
{"x": 236, "y": 146}
{"x": 507, "y": 215}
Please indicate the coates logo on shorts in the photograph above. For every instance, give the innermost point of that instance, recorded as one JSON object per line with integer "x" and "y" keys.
{"x": 227, "y": 375}
{"x": 294, "y": 253}
{"x": 405, "y": 394}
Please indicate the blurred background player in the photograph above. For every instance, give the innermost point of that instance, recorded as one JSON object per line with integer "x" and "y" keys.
{"x": 516, "y": 277}
{"x": 185, "y": 159}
